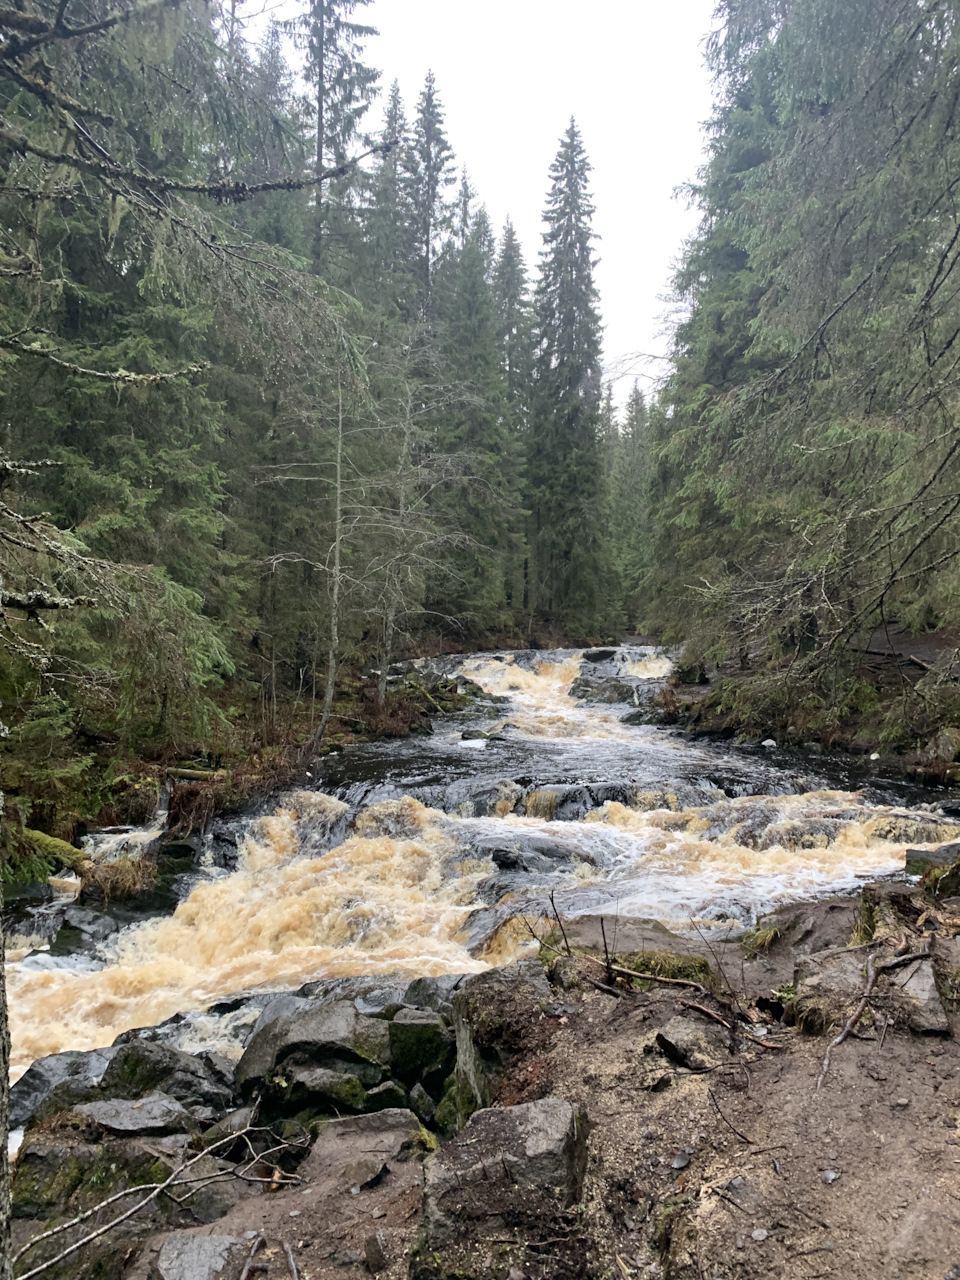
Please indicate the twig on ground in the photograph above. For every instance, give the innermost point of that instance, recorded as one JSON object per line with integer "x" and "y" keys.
{"x": 649, "y": 977}
{"x": 602, "y": 986}
{"x": 873, "y": 973}
{"x": 730, "y": 1126}
{"x": 707, "y": 1013}
{"x": 291, "y": 1262}
{"x": 255, "y": 1247}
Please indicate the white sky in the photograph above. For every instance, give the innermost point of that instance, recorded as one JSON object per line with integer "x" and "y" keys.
{"x": 510, "y": 73}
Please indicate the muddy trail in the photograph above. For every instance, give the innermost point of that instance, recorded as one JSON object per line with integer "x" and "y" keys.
{"x": 545, "y": 994}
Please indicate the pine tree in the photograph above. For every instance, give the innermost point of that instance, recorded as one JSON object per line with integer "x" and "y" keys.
{"x": 571, "y": 580}
{"x": 430, "y": 171}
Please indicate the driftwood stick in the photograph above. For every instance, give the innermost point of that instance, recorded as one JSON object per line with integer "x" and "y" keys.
{"x": 873, "y": 973}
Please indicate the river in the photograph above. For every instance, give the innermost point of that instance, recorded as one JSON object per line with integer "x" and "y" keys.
{"x": 418, "y": 856}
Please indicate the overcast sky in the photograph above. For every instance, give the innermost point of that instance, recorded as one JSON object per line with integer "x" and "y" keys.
{"x": 510, "y": 73}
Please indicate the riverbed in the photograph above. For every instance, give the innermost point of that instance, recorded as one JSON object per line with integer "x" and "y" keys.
{"x": 438, "y": 854}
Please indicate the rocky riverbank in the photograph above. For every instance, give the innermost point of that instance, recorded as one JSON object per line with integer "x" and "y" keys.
{"x": 561, "y": 1117}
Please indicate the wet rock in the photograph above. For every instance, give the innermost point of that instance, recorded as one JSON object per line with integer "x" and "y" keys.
{"x": 56, "y": 1083}
{"x": 565, "y": 973}
{"x": 691, "y": 1043}
{"x": 421, "y": 1048}
{"x": 434, "y": 993}
{"x": 156, "y": 1113}
{"x": 525, "y": 1164}
{"x": 919, "y": 861}
{"x": 94, "y": 925}
{"x": 142, "y": 1067}
{"x": 372, "y": 997}
{"x": 605, "y": 689}
{"x": 492, "y": 1012}
{"x": 186, "y": 1257}
{"x": 319, "y": 1033}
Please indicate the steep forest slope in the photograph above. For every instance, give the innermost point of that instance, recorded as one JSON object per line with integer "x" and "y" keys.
{"x": 803, "y": 509}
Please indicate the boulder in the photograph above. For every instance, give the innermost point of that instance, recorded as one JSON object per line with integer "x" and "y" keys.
{"x": 943, "y": 747}
{"x": 492, "y": 1013}
{"x": 830, "y": 983}
{"x": 307, "y": 1086}
{"x": 434, "y": 993}
{"x": 515, "y": 1171}
{"x": 914, "y": 990}
{"x": 184, "y": 1257}
{"x": 694, "y": 1043}
{"x": 156, "y": 1113}
{"x": 56, "y": 1083}
{"x": 421, "y": 1048}
{"x": 392, "y": 1134}
{"x": 319, "y": 1032}
{"x": 141, "y": 1067}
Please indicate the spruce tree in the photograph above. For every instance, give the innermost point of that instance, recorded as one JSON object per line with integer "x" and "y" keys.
{"x": 515, "y": 324}
{"x": 571, "y": 579}
{"x": 430, "y": 172}
{"x": 341, "y": 90}
{"x": 388, "y": 259}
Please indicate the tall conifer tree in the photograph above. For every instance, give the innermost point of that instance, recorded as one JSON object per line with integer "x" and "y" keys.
{"x": 430, "y": 161}
{"x": 571, "y": 574}
{"x": 341, "y": 90}
{"x": 515, "y": 323}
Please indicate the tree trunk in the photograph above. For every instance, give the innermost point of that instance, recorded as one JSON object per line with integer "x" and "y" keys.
{"x": 320, "y": 37}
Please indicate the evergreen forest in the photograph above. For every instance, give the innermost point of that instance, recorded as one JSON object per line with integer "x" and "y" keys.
{"x": 280, "y": 405}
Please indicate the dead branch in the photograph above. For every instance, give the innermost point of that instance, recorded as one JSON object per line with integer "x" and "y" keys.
{"x": 707, "y": 1013}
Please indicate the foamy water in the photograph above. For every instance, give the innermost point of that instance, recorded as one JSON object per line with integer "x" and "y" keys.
{"x": 396, "y": 890}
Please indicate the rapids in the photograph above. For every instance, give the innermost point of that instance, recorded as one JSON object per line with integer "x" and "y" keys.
{"x": 413, "y": 857}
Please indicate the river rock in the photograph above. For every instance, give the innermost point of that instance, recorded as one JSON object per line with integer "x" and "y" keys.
{"x": 492, "y": 1013}
{"x": 142, "y": 1067}
{"x": 524, "y": 1165}
{"x": 694, "y": 1044}
{"x": 422, "y": 1048}
{"x": 320, "y": 1032}
{"x": 156, "y": 1113}
{"x": 56, "y": 1083}
{"x": 184, "y": 1257}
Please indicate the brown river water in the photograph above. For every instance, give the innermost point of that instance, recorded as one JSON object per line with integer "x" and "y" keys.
{"x": 410, "y": 858}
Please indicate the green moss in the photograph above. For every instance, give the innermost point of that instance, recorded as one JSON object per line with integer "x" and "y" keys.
{"x": 667, "y": 964}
